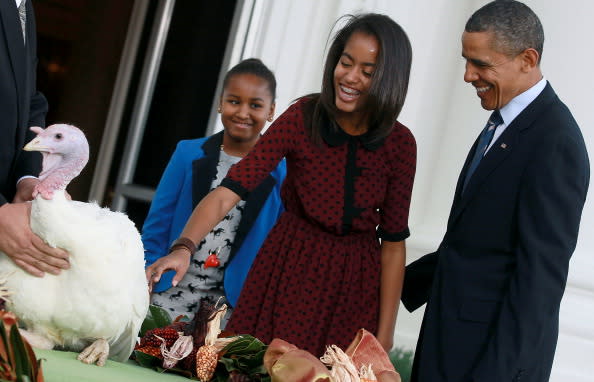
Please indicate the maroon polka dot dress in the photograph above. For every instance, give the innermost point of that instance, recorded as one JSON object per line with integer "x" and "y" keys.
{"x": 316, "y": 279}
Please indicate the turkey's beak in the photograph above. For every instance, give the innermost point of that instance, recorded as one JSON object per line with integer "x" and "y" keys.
{"x": 35, "y": 145}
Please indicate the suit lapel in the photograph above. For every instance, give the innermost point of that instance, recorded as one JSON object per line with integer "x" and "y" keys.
{"x": 204, "y": 170}
{"x": 16, "y": 48}
{"x": 462, "y": 176}
{"x": 500, "y": 150}
{"x": 253, "y": 204}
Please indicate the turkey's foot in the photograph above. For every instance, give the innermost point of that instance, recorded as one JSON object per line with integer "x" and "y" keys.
{"x": 97, "y": 353}
{"x": 37, "y": 340}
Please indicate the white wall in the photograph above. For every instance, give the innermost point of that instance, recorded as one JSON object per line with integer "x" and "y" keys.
{"x": 567, "y": 52}
{"x": 445, "y": 115}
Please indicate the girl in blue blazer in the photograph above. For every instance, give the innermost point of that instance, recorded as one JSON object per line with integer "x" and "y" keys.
{"x": 221, "y": 261}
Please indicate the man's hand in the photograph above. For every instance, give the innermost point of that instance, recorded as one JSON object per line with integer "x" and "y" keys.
{"x": 178, "y": 261}
{"x": 25, "y": 248}
{"x": 24, "y": 191}
{"x": 25, "y": 188}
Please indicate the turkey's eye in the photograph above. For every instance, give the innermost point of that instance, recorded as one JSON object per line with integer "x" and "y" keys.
{"x": 58, "y": 136}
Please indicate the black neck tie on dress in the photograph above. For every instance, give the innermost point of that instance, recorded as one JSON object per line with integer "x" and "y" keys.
{"x": 484, "y": 141}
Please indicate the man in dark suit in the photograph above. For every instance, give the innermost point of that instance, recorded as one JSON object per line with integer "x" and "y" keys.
{"x": 494, "y": 286}
{"x": 21, "y": 106}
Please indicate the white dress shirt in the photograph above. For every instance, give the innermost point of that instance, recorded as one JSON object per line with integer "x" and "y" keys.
{"x": 514, "y": 107}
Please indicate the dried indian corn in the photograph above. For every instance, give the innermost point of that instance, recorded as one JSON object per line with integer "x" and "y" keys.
{"x": 154, "y": 337}
{"x": 207, "y": 355}
{"x": 150, "y": 350}
{"x": 206, "y": 362}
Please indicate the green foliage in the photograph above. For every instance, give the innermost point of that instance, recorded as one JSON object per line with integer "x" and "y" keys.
{"x": 22, "y": 362}
{"x": 147, "y": 360}
{"x": 402, "y": 360}
{"x": 243, "y": 356}
{"x": 156, "y": 317}
{"x": 17, "y": 359}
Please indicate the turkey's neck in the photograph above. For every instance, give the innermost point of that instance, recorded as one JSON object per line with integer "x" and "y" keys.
{"x": 59, "y": 170}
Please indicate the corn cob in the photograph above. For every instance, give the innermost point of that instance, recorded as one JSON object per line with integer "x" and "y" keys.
{"x": 155, "y": 352}
{"x": 154, "y": 337}
{"x": 206, "y": 362}
{"x": 207, "y": 356}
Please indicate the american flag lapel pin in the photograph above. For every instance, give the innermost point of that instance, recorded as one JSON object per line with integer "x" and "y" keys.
{"x": 504, "y": 146}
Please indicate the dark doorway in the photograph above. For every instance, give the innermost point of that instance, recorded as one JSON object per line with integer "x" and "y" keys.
{"x": 183, "y": 95}
{"x": 80, "y": 46}
{"x": 79, "y": 49}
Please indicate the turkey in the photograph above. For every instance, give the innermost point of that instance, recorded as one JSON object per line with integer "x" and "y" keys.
{"x": 100, "y": 302}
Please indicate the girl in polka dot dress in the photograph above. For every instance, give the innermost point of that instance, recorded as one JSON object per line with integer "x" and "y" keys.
{"x": 334, "y": 261}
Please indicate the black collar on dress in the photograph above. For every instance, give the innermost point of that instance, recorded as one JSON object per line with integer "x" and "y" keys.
{"x": 335, "y": 136}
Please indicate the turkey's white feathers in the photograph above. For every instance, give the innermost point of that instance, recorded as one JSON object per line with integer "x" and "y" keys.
{"x": 104, "y": 293}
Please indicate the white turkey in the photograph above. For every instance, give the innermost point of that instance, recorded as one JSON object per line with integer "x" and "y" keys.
{"x": 100, "y": 302}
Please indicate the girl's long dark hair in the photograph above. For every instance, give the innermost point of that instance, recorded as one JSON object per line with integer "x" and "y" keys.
{"x": 389, "y": 83}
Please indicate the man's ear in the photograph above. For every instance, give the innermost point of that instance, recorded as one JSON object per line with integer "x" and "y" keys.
{"x": 529, "y": 59}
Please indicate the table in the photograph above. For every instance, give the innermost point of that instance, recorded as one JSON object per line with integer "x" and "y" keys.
{"x": 62, "y": 366}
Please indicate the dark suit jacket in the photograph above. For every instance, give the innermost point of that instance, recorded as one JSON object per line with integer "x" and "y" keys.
{"x": 21, "y": 106}
{"x": 495, "y": 284}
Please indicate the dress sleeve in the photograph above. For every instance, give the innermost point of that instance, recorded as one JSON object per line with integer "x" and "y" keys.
{"x": 275, "y": 143}
{"x": 394, "y": 212}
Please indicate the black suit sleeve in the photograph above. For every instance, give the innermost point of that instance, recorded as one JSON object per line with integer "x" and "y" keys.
{"x": 550, "y": 202}
{"x": 29, "y": 163}
{"x": 418, "y": 279}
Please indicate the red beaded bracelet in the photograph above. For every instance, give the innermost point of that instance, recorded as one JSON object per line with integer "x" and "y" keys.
{"x": 183, "y": 242}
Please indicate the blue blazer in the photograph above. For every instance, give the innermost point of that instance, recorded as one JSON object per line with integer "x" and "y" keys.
{"x": 494, "y": 286}
{"x": 21, "y": 105}
{"x": 185, "y": 182}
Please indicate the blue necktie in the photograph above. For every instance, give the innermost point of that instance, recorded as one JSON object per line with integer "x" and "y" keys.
{"x": 484, "y": 141}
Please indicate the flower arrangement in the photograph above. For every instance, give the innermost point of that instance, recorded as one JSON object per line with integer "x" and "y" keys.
{"x": 209, "y": 356}
{"x": 199, "y": 350}
{"x": 17, "y": 360}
